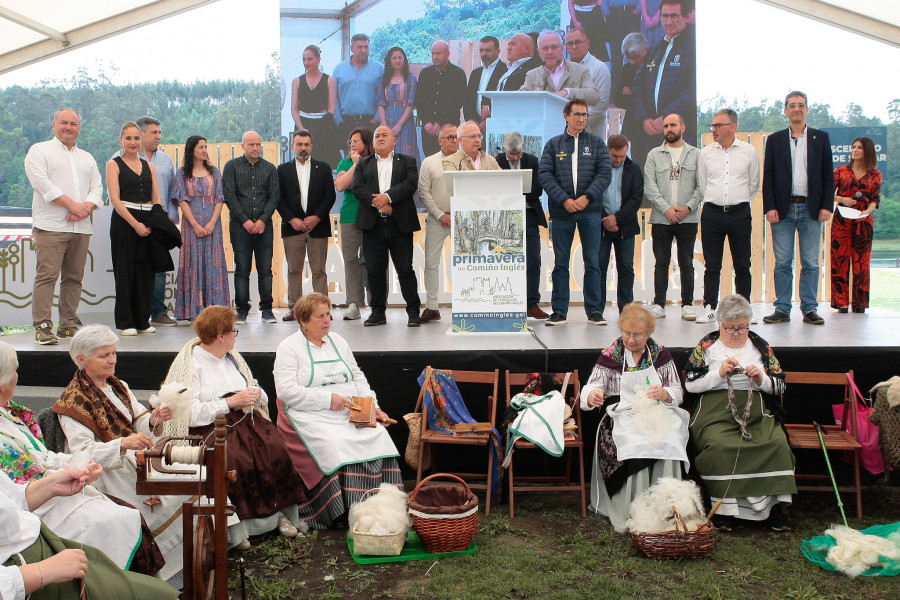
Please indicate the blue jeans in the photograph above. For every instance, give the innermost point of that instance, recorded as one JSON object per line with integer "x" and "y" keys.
{"x": 624, "y": 268}
{"x": 158, "y": 303}
{"x": 245, "y": 245}
{"x": 562, "y": 232}
{"x": 810, "y": 237}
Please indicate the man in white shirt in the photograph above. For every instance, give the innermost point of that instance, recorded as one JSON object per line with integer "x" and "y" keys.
{"x": 729, "y": 178}
{"x": 485, "y": 78}
{"x": 67, "y": 189}
{"x": 436, "y": 197}
{"x": 578, "y": 45}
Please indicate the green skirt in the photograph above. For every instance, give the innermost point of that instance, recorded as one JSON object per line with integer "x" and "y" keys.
{"x": 765, "y": 466}
{"x": 104, "y": 578}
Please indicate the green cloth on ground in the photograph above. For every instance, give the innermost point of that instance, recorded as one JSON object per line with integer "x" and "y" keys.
{"x": 104, "y": 579}
{"x": 816, "y": 550}
{"x": 765, "y": 466}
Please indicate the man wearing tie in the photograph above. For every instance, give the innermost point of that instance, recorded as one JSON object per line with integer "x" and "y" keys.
{"x": 798, "y": 196}
{"x": 384, "y": 183}
{"x": 306, "y": 197}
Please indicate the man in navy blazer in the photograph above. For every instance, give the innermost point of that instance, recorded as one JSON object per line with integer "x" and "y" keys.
{"x": 478, "y": 108}
{"x": 384, "y": 184}
{"x": 513, "y": 157}
{"x": 307, "y": 195}
{"x": 798, "y": 196}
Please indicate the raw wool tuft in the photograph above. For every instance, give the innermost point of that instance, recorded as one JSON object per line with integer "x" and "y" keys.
{"x": 857, "y": 552}
{"x": 652, "y": 511}
{"x": 384, "y": 512}
{"x": 178, "y": 399}
{"x": 650, "y": 416}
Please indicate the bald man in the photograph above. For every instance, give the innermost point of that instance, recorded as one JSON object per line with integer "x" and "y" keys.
{"x": 521, "y": 58}
{"x": 440, "y": 96}
{"x": 251, "y": 191}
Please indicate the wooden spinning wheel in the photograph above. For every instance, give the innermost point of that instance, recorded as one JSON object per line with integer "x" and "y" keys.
{"x": 203, "y": 563}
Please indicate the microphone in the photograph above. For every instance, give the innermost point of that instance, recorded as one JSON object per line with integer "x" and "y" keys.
{"x": 459, "y": 166}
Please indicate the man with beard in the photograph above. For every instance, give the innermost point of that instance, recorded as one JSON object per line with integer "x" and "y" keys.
{"x": 729, "y": 178}
{"x": 485, "y": 78}
{"x": 673, "y": 189}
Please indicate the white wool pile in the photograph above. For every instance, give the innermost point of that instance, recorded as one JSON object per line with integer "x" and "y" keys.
{"x": 856, "y": 552}
{"x": 651, "y": 416}
{"x": 652, "y": 511}
{"x": 176, "y": 398}
{"x": 384, "y": 512}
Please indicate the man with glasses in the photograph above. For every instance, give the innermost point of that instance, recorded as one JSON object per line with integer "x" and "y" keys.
{"x": 729, "y": 178}
{"x": 666, "y": 83}
{"x": 673, "y": 189}
{"x": 485, "y": 78}
{"x": 575, "y": 172}
{"x": 436, "y": 198}
{"x": 358, "y": 81}
{"x": 798, "y": 196}
{"x": 470, "y": 156}
{"x": 559, "y": 76}
{"x": 440, "y": 95}
{"x": 514, "y": 157}
{"x": 578, "y": 45}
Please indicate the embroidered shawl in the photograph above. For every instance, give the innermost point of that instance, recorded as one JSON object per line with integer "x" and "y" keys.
{"x": 16, "y": 461}
{"x": 86, "y": 403}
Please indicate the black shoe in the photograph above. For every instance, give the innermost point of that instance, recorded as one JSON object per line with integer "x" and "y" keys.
{"x": 777, "y": 317}
{"x": 813, "y": 318}
{"x": 241, "y": 318}
{"x": 723, "y": 523}
{"x": 414, "y": 320}
{"x": 857, "y": 309}
{"x": 375, "y": 319}
{"x": 843, "y": 310}
{"x": 777, "y": 519}
{"x": 555, "y": 319}
{"x": 596, "y": 319}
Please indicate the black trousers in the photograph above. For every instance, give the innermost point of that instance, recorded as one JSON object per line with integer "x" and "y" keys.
{"x": 684, "y": 235}
{"x": 737, "y": 226}
{"x": 383, "y": 239}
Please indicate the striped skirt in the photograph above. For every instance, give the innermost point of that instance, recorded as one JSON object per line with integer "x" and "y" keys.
{"x": 331, "y": 498}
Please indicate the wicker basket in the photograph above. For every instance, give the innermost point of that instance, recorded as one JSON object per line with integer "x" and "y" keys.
{"x": 446, "y": 532}
{"x": 679, "y": 543}
{"x": 377, "y": 544}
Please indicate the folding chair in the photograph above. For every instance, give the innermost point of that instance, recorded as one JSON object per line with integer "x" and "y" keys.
{"x": 573, "y": 443}
{"x": 804, "y": 436}
{"x": 432, "y": 437}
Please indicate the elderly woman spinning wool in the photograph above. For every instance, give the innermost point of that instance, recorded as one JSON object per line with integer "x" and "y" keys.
{"x": 743, "y": 455}
{"x": 643, "y": 436}
{"x": 90, "y": 518}
{"x": 317, "y": 378}
{"x": 267, "y": 489}
{"x": 99, "y": 414}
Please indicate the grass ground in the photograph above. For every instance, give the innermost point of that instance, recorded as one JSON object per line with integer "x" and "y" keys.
{"x": 550, "y": 552}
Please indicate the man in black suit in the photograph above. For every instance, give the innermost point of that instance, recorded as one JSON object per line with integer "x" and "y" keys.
{"x": 513, "y": 157}
{"x": 484, "y": 78}
{"x": 521, "y": 57}
{"x": 798, "y": 196}
{"x": 384, "y": 184}
{"x": 440, "y": 95}
{"x": 307, "y": 195}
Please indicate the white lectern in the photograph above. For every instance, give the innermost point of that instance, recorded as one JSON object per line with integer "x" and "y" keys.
{"x": 538, "y": 116}
{"x": 488, "y": 250}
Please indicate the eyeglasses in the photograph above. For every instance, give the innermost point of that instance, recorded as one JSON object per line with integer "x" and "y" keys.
{"x": 352, "y": 141}
{"x": 235, "y": 332}
{"x": 715, "y": 126}
{"x": 476, "y": 136}
{"x": 634, "y": 335}
{"x": 550, "y": 47}
{"x": 451, "y": 138}
{"x": 793, "y": 106}
{"x": 575, "y": 43}
{"x": 734, "y": 330}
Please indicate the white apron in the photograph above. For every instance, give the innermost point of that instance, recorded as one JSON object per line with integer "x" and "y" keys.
{"x": 630, "y": 441}
{"x": 329, "y": 436}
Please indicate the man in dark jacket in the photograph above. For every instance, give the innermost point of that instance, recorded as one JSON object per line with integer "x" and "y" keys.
{"x": 621, "y": 202}
{"x": 514, "y": 158}
{"x": 306, "y": 196}
{"x": 440, "y": 95}
{"x": 575, "y": 172}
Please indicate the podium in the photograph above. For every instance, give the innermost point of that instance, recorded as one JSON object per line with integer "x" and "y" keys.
{"x": 538, "y": 116}
{"x": 487, "y": 241}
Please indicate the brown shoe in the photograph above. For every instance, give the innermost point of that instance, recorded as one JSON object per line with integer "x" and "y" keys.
{"x": 535, "y": 312}
{"x": 429, "y": 315}
{"x": 289, "y": 316}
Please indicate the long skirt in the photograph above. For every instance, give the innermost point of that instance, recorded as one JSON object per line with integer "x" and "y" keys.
{"x": 132, "y": 270}
{"x": 104, "y": 579}
{"x": 751, "y": 475}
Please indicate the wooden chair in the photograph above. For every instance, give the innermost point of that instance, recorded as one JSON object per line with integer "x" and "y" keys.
{"x": 573, "y": 443}
{"x": 431, "y": 437}
{"x": 804, "y": 436}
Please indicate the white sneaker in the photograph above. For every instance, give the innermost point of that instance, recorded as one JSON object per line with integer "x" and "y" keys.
{"x": 658, "y": 311}
{"x": 753, "y": 320}
{"x": 129, "y": 331}
{"x": 150, "y": 329}
{"x": 687, "y": 313}
{"x": 707, "y": 315}
{"x": 352, "y": 312}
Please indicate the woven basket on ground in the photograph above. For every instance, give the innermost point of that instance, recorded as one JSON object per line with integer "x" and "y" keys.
{"x": 377, "y": 544}
{"x": 679, "y": 543}
{"x": 444, "y": 526}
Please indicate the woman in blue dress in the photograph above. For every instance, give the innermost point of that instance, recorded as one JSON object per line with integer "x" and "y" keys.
{"x": 396, "y": 101}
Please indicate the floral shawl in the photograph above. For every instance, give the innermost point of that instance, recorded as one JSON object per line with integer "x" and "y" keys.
{"x": 608, "y": 371}
{"x": 17, "y": 462}
{"x": 86, "y": 403}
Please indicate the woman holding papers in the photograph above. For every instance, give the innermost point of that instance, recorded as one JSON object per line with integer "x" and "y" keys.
{"x": 857, "y": 194}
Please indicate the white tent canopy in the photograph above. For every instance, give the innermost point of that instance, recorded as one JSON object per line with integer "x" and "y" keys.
{"x": 32, "y": 31}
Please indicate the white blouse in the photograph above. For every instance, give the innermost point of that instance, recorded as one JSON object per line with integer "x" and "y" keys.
{"x": 19, "y": 529}
{"x": 717, "y": 354}
{"x": 213, "y": 378}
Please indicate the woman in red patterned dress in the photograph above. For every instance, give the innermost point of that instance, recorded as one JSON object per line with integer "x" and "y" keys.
{"x": 857, "y": 185}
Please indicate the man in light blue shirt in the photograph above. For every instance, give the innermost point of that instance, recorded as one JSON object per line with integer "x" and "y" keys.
{"x": 358, "y": 84}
